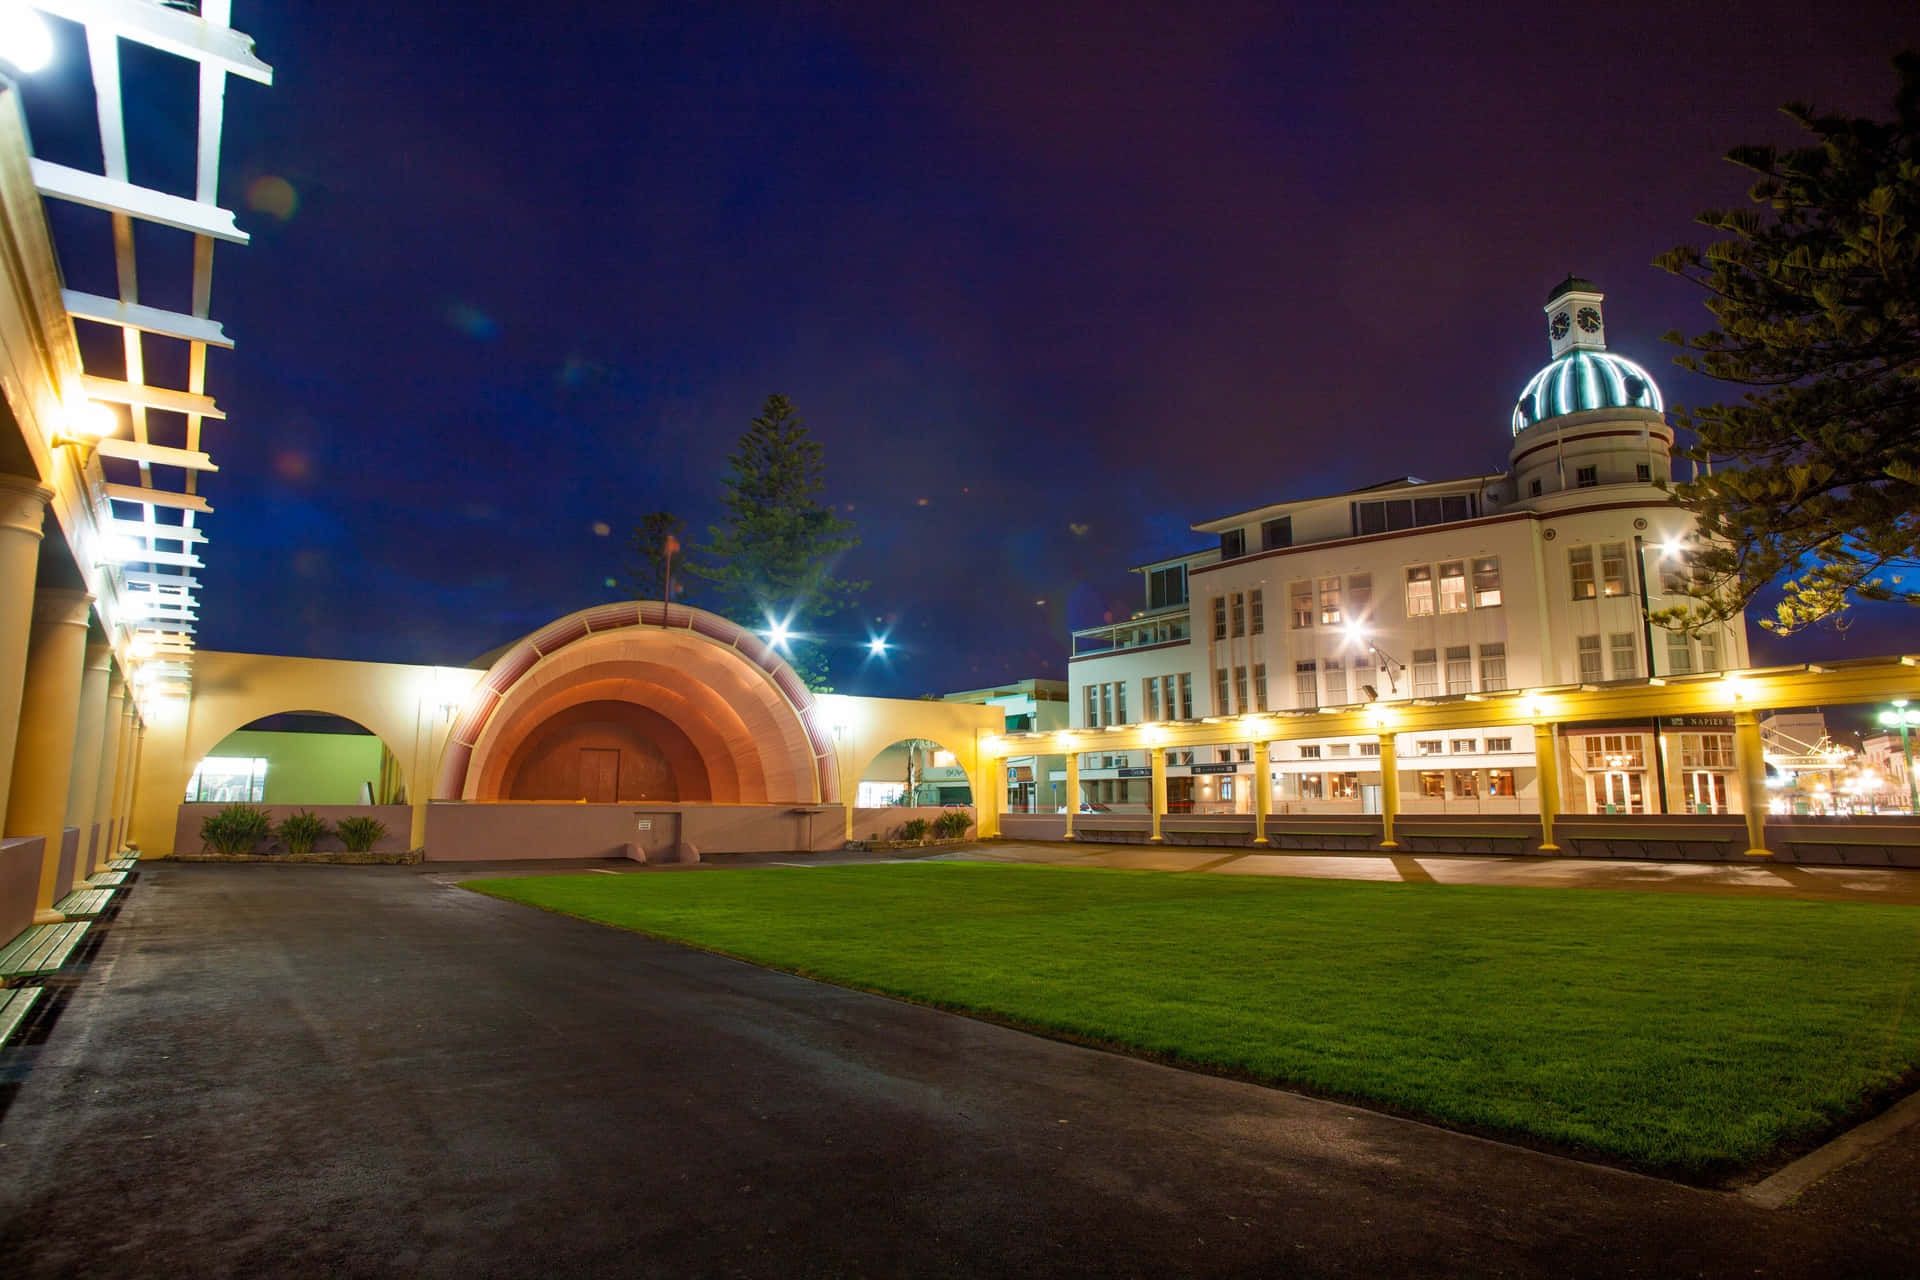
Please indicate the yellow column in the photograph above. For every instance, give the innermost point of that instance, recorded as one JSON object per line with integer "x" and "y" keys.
{"x": 161, "y": 783}
{"x": 136, "y": 752}
{"x": 1546, "y": 760}
{"x": 123, "y": 770}
{"x": 1752, "y": 764}
{"x": 83, "y": 776}
{"x": 1389, "y": 791}
{"x": 1157, "y": 793}
{"x": 1262, "y": 789}
{"x": 23, "y": 506}
{"x": 986, "y": 809}
{"x": 1073, "y": 790}
{"x": 106, "y": 776}
{"x": 49, "y": 720}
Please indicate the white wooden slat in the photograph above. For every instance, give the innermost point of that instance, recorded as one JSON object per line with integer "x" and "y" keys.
{"x": 156, "y": 497}
{"x": 155, "y": 454}
{"x": 172, "y": 31}
{"x": 167, "y": 398}
{"x": 133, "y": 315}
{"x": 60, "y": 182}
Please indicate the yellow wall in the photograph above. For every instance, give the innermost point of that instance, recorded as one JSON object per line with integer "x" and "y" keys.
{"x": 311, "y": 768}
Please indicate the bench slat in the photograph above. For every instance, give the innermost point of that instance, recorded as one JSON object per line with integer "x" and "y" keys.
{"x": 41, "y": 949}
{"x": 108, "y": 879}
{"x": 15, "y": 1005}
{"x": 85, "y": 902}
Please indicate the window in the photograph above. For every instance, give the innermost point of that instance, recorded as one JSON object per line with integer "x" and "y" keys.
{"x": 1589, "y": 650}
{"x": 1453, "y": 586}
{"x": 1433, "y": 784}
{"x": 1240, "y": 688}
{"x": 1223, "y": 755}
{"x": 1301, "y": 594}
{"x": 1429, "y": 747}
{"x": 1220, "y": 705}
{"x": 229, "y": 780}
{"x": 1310, "y": 753}
{"x": 1403, "y": 513}
{"x": 1305, "y": 685}
{"x": 1186, "y": 696}
{"x": 1586, "y": 477}
{"x": 1243, "y": 754}
{"x": 1493, "y": 667}
{"x": 1120, "y": 702}
{"x": 1359, "y": 595}
{"x": 1706, "y": 751}
{"x": 1420, "y": 591}
{"x": 1346, "y": 786}
{"x": 1277, "y": 532}
{"x": 1613, "y": 569}
{"x": 1459, "y": 669}
{"x": 1329, "y": 602}
{"x": 1150, "y": 687}
{"x": 1167, "y": 587}
{"x": 1093, "y": 706}
{"x": 1499, "y": 782}
{"x": 1643, "y": 472}
{"x": 1370, "y": 748}
{"x": 1614, "y": 751}
{"x": 1499, "y": 744}
{"x": 1624, "y": 655}
{"x": 1466, "y": 783}
{"x": 1341, "y": 749}
{"x": 1463, "y": 746}
{"x": 1486, "y": 582}
{"x": 1233, "y": 544}
{"x": 1239, "y": 615}
{"x": 1219, "y": 617}
{"x": 1336, "y": 683}
{"x": 1256, "y": 614}
{"x": 1309, "y": 784}
{"x": 1580, "y": 571}
{"x": 1679, "y": 659}
{"x": 1533, "y": 489}
{"x": 1426, "y": 674}
{"x": 1709, "y": 651}
{"x": 1106, "y": 704}
{"x": 1259, "y": 686}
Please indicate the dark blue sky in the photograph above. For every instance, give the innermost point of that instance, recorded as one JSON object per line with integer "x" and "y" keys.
{"x": 1049, "y": 283}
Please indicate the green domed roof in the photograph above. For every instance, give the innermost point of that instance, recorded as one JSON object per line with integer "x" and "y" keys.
{"x": 1582, "y": 380}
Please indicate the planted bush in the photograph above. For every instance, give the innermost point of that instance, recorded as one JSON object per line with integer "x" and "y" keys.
{"x": 360, "y": 834}
{"x": 952, "y": 824}
{"x": 914, "y": 829}
{"x": 301, "y": 830}
{"x": 236, "y": 829}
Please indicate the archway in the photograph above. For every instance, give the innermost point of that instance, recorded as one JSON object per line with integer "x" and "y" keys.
{"x": 300, "y": 757}
{"x": 913, "y": 772}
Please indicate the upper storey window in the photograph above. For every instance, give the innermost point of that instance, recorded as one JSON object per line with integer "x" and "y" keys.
{"x": 1390, "y": 514}
{"x": 1233, "y": 544}
{"x": 1167, "y": 587}
{"x": 1277, "y": 532}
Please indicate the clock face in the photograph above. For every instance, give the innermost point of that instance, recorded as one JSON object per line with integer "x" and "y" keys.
{"x": 1589, "y": 320}
{"x": 1559, "y": 326}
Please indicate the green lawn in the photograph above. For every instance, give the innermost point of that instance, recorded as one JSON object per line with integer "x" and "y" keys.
{"x": 1684, "y": 1033}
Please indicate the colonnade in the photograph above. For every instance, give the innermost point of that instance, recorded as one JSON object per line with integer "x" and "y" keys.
{"x": 69, "y": 731}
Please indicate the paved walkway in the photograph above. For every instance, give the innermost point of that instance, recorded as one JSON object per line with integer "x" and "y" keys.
{"x": 275, "y": 1070}
{"x": 1756, "y": 877}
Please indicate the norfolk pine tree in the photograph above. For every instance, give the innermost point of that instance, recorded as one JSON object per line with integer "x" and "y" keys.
{"x": 1817, "y": 295}
{"x": 772, "y": 555}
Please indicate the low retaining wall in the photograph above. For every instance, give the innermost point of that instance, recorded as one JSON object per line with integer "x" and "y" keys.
{"x": 19, "y": 883}
{"x": 509, "y": 831}
{"x": 1871, "y": 842}
{"x": 397, "y": 817}
{"x": 885, "y": 823}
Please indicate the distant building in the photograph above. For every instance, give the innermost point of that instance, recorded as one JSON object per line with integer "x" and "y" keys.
{"x": 1414, "y": 589}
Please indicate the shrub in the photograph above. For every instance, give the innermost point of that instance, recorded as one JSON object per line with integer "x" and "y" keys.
{"x": 360, "y": 834}
{"x": 301, "y": 830}
{"x": 236, "y": 829}
{"x": 952, "y": 824}
{"x": 914, "y": 829}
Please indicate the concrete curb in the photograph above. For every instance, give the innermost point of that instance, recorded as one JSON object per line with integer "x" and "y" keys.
{"x": 1781, "y": 1189}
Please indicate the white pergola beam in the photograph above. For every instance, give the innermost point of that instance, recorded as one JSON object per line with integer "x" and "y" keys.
{"x": 157, "y": 455}
{"x": 157, "y": 497}
{"x": 147, "y": 555}
{"x": 154, "y": 531}
{"x": 148, "y": 578}
{"x": 59, "y": 182}
{"x": 169, "y": 30}
{"x": 132, "y": 315}
{"x": 166, "y": 398}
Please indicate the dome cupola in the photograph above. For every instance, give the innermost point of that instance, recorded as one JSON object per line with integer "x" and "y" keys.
{"x": 1582, "y": 375}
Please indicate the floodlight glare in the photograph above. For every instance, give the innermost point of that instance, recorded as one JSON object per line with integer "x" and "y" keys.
{"x": 877, "y": 646}
{"x": 25, "y": 43}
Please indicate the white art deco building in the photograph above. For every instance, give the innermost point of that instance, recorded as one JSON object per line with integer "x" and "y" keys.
{"x": 1415, "y": 589}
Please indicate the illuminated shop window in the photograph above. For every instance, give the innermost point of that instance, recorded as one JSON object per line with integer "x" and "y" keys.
{"x": 229, "y": 780}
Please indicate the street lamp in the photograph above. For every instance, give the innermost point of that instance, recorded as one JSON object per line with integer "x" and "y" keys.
{"x": 1904, "y": 718}
{"x": 1668, "y": 547}
{"x": 1388, "y": 663}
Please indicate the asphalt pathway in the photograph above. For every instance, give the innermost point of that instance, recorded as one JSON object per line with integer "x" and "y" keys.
{"x": 282, "y": 1070}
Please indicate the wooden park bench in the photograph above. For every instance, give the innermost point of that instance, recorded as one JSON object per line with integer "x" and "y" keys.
{"x": 1207, "y": 835}
{"x": 15, "y": 1005}
{"x": 1504, "y": 840}
{"x": 1321, "y": 839}
{"x": 107, "y": 879}
{"x": 1630, "y": 842}
{"x": 84, "y": 902}
{"x": 41, "y": 949}
{"x": 1112, "y": 835}
{"x": 122, "y": 864}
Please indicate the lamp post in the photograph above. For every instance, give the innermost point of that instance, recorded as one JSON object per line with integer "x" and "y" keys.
{"x": 1358, "y": 634}
{"x": 1646, "y": 628}
{"x": 1903, "y": 719}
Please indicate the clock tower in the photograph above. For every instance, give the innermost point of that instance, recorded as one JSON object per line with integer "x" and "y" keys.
{"x": 1574, "y": 322}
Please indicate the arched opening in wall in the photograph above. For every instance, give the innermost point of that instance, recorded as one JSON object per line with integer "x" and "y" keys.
{"x": 913, "y": 772}
{"x": 298, "y": 758}
{"x": 608, "y": 751}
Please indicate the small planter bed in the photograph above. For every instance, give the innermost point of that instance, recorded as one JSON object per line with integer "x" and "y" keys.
{"x": 247, "y": 833}
{"x": 338, "y": 857}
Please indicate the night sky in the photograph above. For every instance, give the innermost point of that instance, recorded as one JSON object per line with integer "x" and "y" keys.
{"x": 1049, "y": 284}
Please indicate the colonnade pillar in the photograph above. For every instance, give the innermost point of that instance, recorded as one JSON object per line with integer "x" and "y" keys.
{"x": 986, "y": 809}
{"x": 1546, "y": 759}
{"x": 1262, "y": 790}
{"x": 1751, "y": 762}
{"x": 49, "y": 721}
{"x": 1073, "y": 790}
{"x": 83, "y": 775}
{"x": 1389, "y": 791}
{"x": 107, "y": 777}
{"x": 1157, "y": 791}
{"x": 23, "y": 508}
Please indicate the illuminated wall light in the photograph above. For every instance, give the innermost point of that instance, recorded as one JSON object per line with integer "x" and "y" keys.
{"x": 25, "y": 43}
